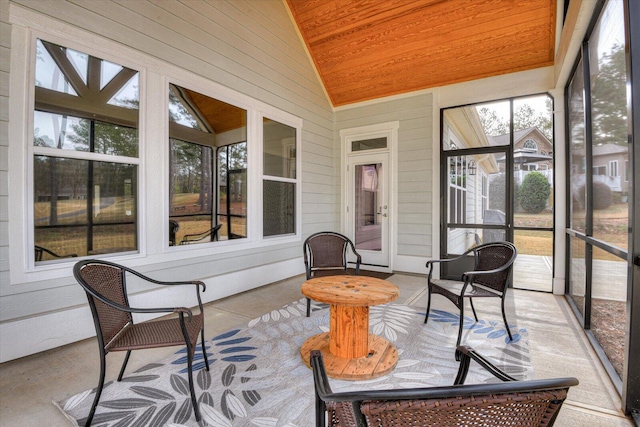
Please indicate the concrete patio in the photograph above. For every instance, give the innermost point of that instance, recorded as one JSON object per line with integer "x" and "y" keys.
{"x": 558, "y": 346}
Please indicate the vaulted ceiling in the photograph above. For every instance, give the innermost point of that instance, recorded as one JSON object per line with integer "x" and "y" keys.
{"x": 367, "y": 49}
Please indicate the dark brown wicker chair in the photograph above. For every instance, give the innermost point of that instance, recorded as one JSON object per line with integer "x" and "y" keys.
{"x": 40, "y": 251}
{"x": 325, "y": 254}
{"x": 106, "y": 288}
{"x": 533, "y": 403}
{"x": 493, "y": 264}
{"x": 196, "y": 237}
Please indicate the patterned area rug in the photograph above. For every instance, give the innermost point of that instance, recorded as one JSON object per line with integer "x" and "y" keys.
{"x": 257, "y": 376}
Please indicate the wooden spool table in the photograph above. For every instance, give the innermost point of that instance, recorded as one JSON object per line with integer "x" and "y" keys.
{"x": 348, "y": 350}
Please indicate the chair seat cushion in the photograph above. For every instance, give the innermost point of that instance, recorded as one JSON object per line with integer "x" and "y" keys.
{"x": 158, "y": 333}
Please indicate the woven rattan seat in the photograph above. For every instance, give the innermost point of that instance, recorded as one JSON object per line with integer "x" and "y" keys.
{"x": 105, "y": 284}
{"x": 514, "y": 403}
{"x": 489, "y": 278}
{"x": 325, "y": 254}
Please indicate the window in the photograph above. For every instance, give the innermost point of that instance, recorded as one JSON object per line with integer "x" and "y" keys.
{"x": 457, "y": 190}
{"x": 531, "y": 145}
{"x": 279, "y": 178}
{"x": 485, "y": 194}
{"x": 613, "y": 168}
{"x": 205, "y": 133}
{"x": 599, "y": 170}
{"x": 85, "y": 154}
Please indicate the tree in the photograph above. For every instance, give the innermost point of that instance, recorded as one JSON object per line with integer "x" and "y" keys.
{"x": 534, "y": 192}
{"x": 609, "y": 98}
{"x": 524, "y": 117}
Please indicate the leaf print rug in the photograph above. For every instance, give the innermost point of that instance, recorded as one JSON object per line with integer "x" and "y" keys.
{"x": 257, "y": 377}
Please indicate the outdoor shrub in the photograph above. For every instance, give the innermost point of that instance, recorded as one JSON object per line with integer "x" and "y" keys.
{"x": 602, "y": 196}
{"x": 534, "y": 192}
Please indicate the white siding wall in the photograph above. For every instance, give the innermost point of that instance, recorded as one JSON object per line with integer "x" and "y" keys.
{"x": 249, "y": 47}
{"x": 5, "y": 53}
{"x": 413, "y": 219}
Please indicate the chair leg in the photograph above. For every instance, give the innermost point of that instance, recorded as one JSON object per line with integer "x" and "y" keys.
{"x": 194, "y": 402}
{"x": 460, "y": 327}
{"x": 124, "y": 364}
{"x": 204, "y": 350}
{"x": 308, "y": 307}
{"x": 426, "y": 317}
{"x": 103, "y": 368}
{"x": 475, "y": 316}
{"x": 504, "y": 318}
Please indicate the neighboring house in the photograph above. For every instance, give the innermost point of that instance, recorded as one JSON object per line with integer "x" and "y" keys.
{"x": 611, "y": 166}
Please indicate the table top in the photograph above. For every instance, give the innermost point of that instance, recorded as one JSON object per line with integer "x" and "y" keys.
{"x": 350, "y": 290}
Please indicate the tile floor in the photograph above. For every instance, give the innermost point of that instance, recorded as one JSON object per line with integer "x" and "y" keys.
{"x": 558, "y": 347}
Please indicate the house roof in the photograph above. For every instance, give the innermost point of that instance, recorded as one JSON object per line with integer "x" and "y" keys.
{"x": 367, "y": 49}
{"x": 518, "y": 135}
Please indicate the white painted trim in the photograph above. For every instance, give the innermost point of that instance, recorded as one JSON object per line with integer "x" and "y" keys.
{"x": 35, "y": 334}
{"x": 390, "y": 131}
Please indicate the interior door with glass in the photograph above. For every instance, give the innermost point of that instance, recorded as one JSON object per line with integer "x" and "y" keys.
{"x": 368, "y": 207}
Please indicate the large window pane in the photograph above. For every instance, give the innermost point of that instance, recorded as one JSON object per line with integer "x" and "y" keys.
{"x": 279, "y": 178}
{"x": 89, "y": 106}
{"x": 609, "y": 127}
{"x": 577, "y": 151}
{"x": 200, "y": 128}
{"x": 232, "y": 190}
{"x": 577, "y": 272}
{"x": 279, "y": 149}
{"x": 84, "y": 207}
{"x": 608, "y": 302}
{"x": 279, "y": 208}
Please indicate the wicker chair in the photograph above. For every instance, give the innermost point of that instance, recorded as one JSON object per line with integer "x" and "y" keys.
{"x": 510, "y": 403}
{"x": 106, "y": 288}
{"x": 493, "y": 263}
{"x": 325, "y": 254}
{"x": 196, "y": 237}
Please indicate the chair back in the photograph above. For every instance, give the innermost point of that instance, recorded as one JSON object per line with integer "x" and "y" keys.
{"x": 101, "y": 281}
{"x": 494, "y": 256}
{"x": 523, "y": 409}
{"x": 325, "y": 253}
{"x": 533, "y": 403}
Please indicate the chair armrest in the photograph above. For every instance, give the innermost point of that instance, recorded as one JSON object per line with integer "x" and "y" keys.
{"x": 469, "y": 354}
{"x": 121, "y": 307}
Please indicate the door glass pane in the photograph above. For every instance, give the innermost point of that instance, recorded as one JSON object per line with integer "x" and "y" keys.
{"x": 369, "y": 210}
{"x": 533, "y": 268}
{"x": 608, "y": 305}
{"x": 577, "y": 283}
{"x": 610, "y": 148}
{"x": 533, "y": 161}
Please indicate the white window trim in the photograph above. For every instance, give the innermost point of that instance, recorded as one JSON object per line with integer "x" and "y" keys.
{"x": 153, "y": 136}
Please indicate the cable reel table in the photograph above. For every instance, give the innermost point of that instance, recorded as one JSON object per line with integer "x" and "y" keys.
{"x": 349, "y": 351}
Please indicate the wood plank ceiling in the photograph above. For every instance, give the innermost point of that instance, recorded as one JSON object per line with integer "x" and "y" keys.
{"x": 367, "y": 49}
